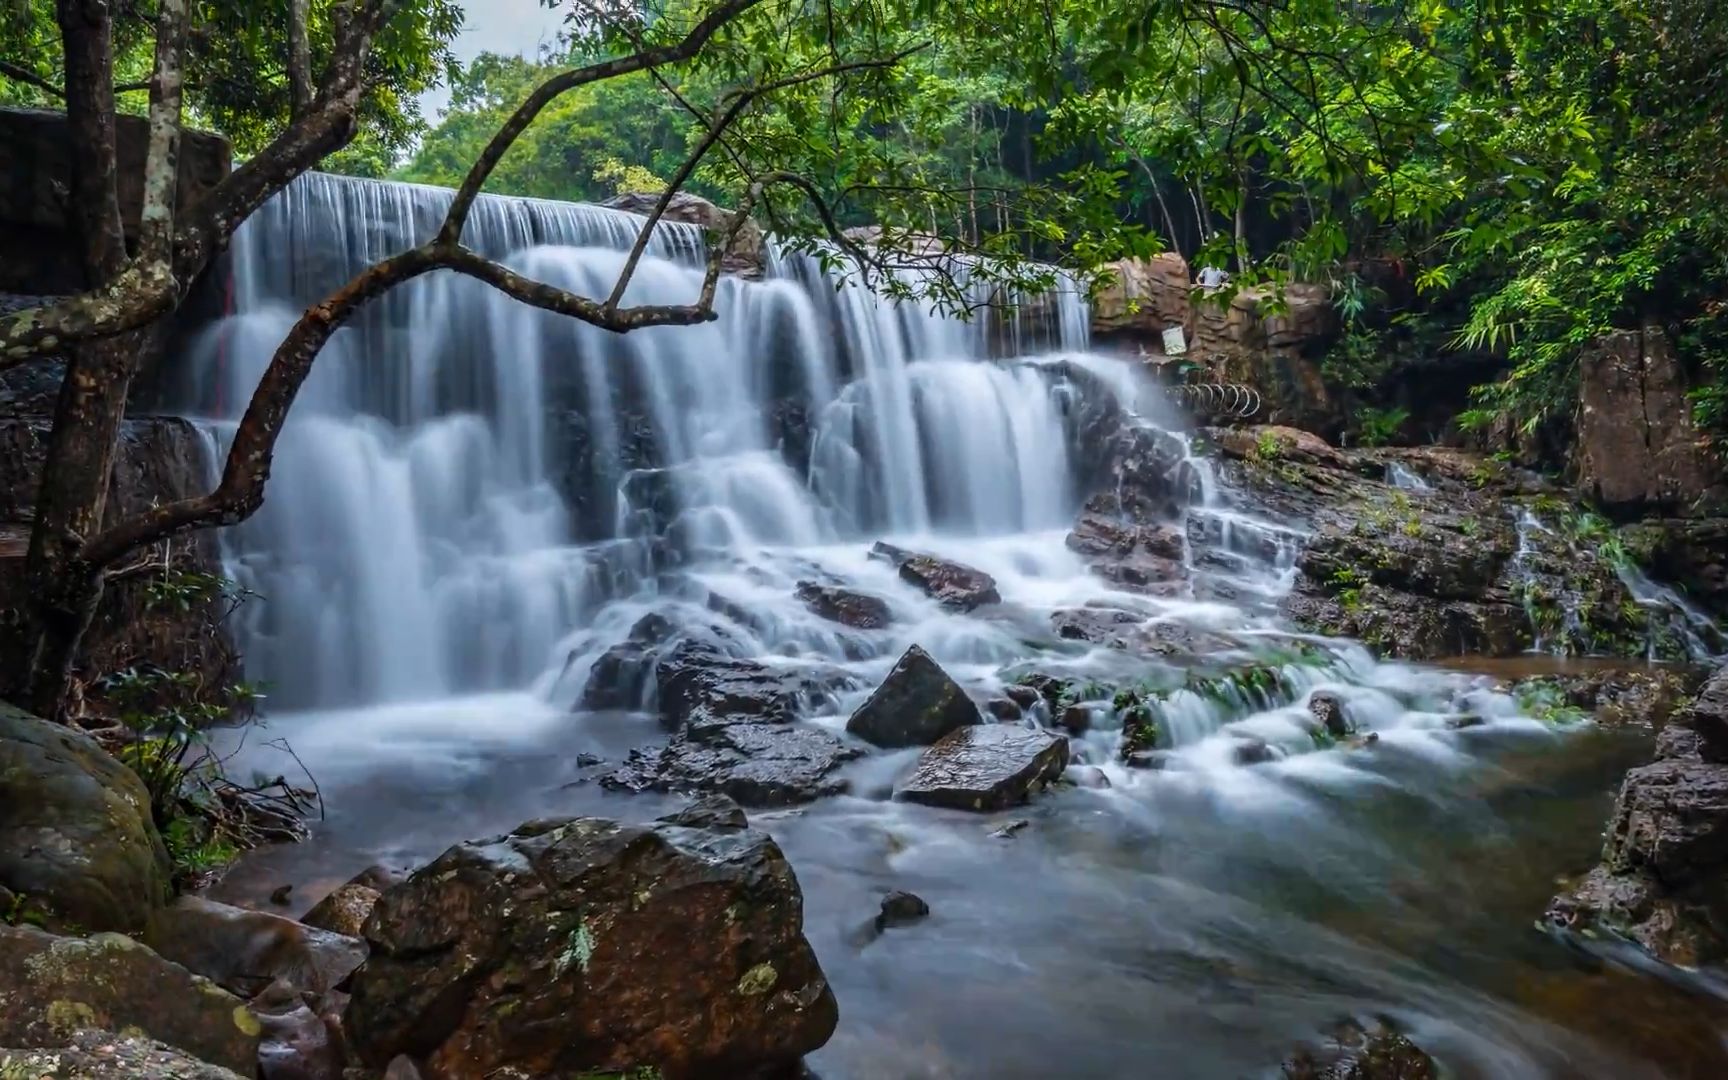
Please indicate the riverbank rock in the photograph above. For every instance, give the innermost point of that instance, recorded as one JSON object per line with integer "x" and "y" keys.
{"x": 1355, "y": 1052}
{"x": 103, "y": 1055}
{"x": 845, "y": 606}
{"x": 1691, "y": 553}
{"x": 1663, "y": 879}
{"x": 955, "y": 586}
{"x": 245, "y": 951}
{"x": 585, "y": 945}
{"x": 917, "y": 704}
{"x": 344, "y": 910}
{"x": 76, "y": 836}
{"x": 51, "y": 987}
{"x": 986, "y": 767}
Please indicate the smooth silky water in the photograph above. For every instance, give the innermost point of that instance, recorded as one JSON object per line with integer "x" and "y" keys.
{"x": 474, "y": 500}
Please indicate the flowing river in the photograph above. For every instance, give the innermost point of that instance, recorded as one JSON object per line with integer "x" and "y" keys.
{"x": 475, "y": 500}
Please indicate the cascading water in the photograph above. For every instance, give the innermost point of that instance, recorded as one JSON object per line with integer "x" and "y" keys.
{"x": 465, "y": 479}
{"x": 473, "y": 500}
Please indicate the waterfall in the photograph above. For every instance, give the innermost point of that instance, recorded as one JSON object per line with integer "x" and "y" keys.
{"x": 466, "y": 480}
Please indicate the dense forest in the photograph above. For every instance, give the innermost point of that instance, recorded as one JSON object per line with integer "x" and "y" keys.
{"x": 1513, "y": 178}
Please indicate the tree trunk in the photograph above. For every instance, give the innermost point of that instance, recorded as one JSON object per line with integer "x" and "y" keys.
{"x": 1242, "y": 224}
{"x": 74, "y": 486}
{"x": 300, "y": 87}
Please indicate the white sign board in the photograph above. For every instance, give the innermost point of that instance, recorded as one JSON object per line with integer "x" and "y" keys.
{"x": 1174, "y": 343}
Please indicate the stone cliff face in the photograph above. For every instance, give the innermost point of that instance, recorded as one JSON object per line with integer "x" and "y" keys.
{"x": 1637, "y": 449}
{"x": 160, "y": 459}
{"x": 1261, "y": 338}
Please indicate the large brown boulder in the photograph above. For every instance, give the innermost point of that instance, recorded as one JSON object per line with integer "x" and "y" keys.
{"x": 1637, "y": 449}
{"x": 52, "y": 987}
{"x": 76, "y": 837}
{"x": 585, "y": 945}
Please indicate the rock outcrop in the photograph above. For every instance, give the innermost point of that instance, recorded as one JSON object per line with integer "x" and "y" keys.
{"x": 1663, "y": 879}
{"x": 584, "y": 945}
{"x": 986, "y": 767}
{"x": 1637, "y": 449}
{"x": 159, "y": 460}
{"x": 78, "y": 847}
{"x": 747, "y": 255}
{"x": 52, "y": 987}
{"x": 1144, "y": 298}
{"x": 917, "y": 704}
{"x": 37, "y": 251}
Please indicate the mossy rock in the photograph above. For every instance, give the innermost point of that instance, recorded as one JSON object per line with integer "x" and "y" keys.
{"x": 54, "y": 987}
{"x": 76, "y": 838}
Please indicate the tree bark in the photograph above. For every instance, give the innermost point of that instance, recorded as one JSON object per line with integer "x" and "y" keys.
{"x": 73, "y": 495}
{"x": 299, "y": 60}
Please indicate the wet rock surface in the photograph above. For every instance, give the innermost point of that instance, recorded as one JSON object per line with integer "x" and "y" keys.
{"x": 1479, "y": 561}
{"x": 245, "y": 951}
{"x": 917, "y": 704}
{"x": 845, "y": 606}
{"x": 76, "y": 835}
{"x": 103, "y": 1055}
{"x": 1356, "y": 1052}
{"x": 1663, "y": 879}
{"x": 344, "y": 910}
{"x": 735, "y": 732}
{"x": 986, "y": 767}
{"x": 954, "y": 585}
{"x": 580, "y": 945}
{"x": 51, "y": 987}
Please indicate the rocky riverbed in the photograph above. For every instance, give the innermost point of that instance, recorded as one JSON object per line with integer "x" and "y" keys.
{"x": 1137, "y": 812}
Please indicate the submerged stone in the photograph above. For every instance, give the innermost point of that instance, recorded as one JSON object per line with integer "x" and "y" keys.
{"x": 1354, "y": 1052}
{"x": 955, "y": 586}
{"x": 845, "y": 606}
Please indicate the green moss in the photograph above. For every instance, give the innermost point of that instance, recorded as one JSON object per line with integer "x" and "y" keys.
{"x": 758, "y": 980}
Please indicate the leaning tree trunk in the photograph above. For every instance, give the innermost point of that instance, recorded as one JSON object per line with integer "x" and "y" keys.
{"x": 74, "y": 485}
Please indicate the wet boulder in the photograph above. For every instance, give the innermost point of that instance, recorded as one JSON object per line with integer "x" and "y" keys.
{"x": 844, "y": 606}
{"x": 917, "y": 704}
{"x": 103, "y": 1055}
{"x": 344, "y": 910}
{"x": 696, "y": 679}
{"x": 955, "y": 586}
{"x": 757, "y": 764}
{"x": 584, "y": 945}
{"x": 986, "y": 767}
{"x": 1356, "y": 1052}
{"x": 298, "y": 1043}
{"x": 245, "y": 951}
{"x": 1707, "y": 714}
{"x": 76, "y": 836}
{"x": 52, "y": 987}
{"x": 1329, "y": 714}
{"x": 901, "y": 908}
{"x": 623, "y": 676}
{"x": 709, "y": 812}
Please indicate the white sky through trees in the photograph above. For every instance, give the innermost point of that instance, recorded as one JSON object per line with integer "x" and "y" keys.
{"x": 516, "y": 27}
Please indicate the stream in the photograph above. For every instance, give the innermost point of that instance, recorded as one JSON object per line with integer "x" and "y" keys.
{"x": 475, "y": 501}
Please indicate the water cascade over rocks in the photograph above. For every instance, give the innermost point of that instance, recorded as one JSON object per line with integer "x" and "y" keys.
{"x": 511, "y": 564}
